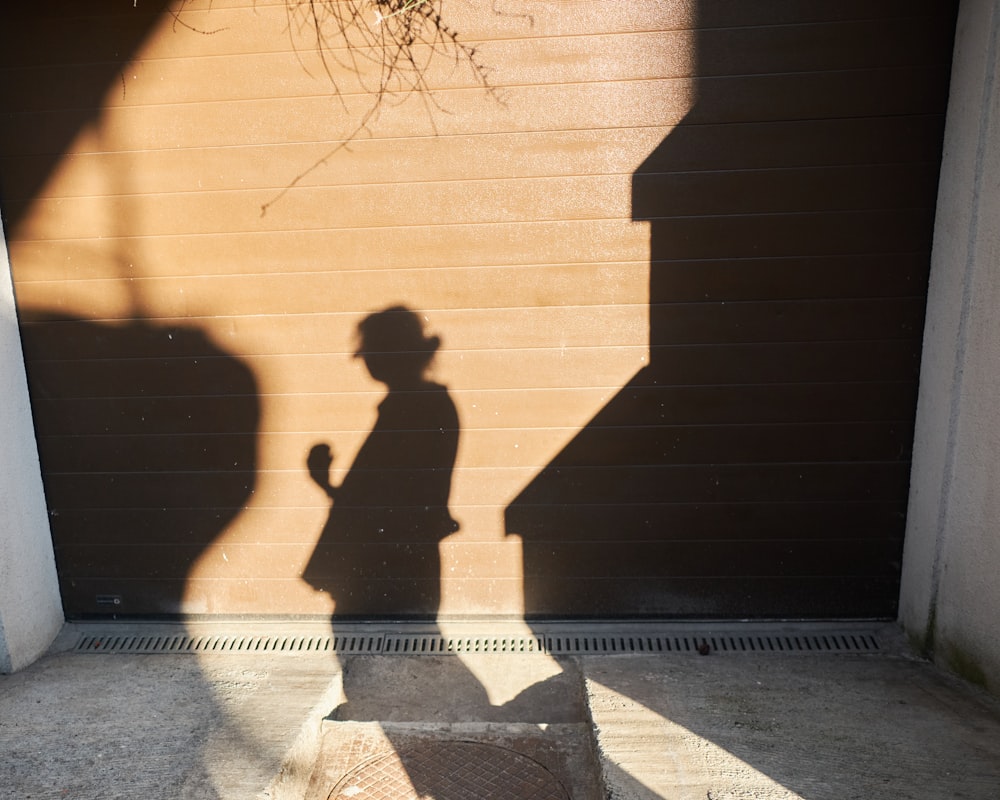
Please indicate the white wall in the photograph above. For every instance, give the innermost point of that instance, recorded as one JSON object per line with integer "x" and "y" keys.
{"x": 30, "y": 608}
{"x": 950, "y": 598}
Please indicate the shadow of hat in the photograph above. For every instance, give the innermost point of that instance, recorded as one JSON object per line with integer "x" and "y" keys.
{"x": 396, "y": 329}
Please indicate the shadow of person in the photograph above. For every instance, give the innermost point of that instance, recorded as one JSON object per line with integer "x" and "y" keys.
{"x": 378, "y": 554}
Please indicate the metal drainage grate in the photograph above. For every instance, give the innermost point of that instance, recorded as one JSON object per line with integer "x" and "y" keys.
{"x": 402, "y": 644}
{"x": 716, "y": 643}
{"x": 435, "y": 644}
{"x": 230, "y": 644}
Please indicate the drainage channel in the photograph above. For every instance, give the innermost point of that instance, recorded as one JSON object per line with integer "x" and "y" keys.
{"x": 182, "y": 643}
{"x": 571, "y": 643}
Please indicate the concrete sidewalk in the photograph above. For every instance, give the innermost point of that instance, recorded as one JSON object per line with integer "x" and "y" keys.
{"x": 316, "y": 725}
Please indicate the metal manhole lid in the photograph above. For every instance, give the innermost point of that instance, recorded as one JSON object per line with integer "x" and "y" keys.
{"x": 449, "y": 770}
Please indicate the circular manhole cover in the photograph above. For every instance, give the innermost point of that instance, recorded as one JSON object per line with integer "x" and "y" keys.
{"x": 450, "y": 770}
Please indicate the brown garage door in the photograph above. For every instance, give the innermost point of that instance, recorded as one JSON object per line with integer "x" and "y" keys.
{"x": 655, "y": 275}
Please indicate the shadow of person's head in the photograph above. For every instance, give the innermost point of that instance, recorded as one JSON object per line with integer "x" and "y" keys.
{"x": 395, "y": 348}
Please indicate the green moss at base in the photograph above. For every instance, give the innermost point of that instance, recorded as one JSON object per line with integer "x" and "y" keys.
{"x": 965, "y": 666}
{"x": 922, "y": 641}
{"x": 928, "y": 643}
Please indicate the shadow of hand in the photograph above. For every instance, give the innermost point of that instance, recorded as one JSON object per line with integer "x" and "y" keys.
{"x": 319, "y": 461}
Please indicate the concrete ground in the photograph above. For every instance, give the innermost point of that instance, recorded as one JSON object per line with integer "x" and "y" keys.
{"x": 499, "y": 726}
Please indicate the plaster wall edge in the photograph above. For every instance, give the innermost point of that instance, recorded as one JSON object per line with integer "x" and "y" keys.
{"x": 945, "y": 533}
{"x": 30, "y": 605}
